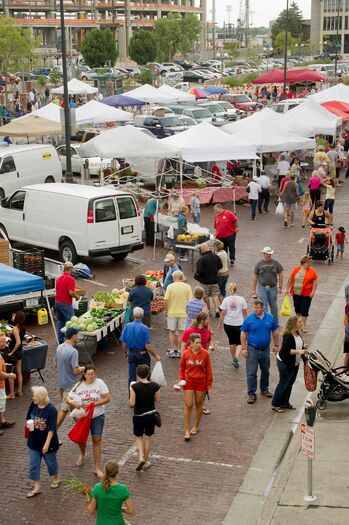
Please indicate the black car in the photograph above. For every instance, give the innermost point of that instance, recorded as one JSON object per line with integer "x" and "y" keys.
{"x": 194, "y": 76}
{"x": 161, "y": 127}
{"x": 185, "y": 65}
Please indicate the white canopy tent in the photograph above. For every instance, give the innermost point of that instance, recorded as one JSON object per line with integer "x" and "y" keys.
{"x": 76, "y": 87}
{"x": 205, "y": 143}
{"x": 266, "y": 117}
{"x": 310, "y": 119}
{"x": 150, "y": 95}
{"x": 51, "y": 112}
{"x": 339, "y": 92}
{"x": 177, "y": 94}
{"x": 94, "y": 112}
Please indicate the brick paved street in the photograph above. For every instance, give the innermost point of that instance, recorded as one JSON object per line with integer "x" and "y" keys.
{"x": 190, "y": 483}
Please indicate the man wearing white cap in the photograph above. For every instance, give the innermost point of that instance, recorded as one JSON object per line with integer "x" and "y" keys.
{"x": 268, "y": 274}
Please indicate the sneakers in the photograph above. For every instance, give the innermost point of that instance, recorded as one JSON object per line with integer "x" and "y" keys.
{"x": 177, "y": 354}
{"x": 252, "y": 399}
{"x": 217, "y": 314}
{"x": 170, "y": 353}
{"x": 232, "y": 263}
{"x": 184, "y": 259}
{"x": 267, "y": 394}
{"x": 236, "y": 362}
{"x": 285, "y": 224}
{"x": 7, "y": 424}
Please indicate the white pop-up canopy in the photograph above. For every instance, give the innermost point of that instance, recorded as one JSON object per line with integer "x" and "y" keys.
{"x": 204, "y": 143}
{"x": 127, "y": 142}
{"x": 76, "y": 87}
{"x": 310, "y": 119}
{"x": 266, "y": 117}
{"x": 51, "y": 112}
{"x": 176, "y": 94}
{"x": 339, "y": 92}
{"x": 150, "y": 95}
{"x": 94, "y": 112}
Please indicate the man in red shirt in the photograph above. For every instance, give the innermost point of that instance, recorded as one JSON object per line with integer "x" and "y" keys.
{"x": 226, "y": 226}
{"x": 65, "y": 291}
{"x": 216, "y": 172}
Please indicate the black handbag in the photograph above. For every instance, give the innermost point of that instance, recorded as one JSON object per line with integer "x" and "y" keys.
{"x": 157, "y": 419}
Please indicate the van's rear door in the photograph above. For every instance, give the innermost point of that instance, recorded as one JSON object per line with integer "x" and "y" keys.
{"x": 103, "y": 231}
{"x": 130, "y": 230}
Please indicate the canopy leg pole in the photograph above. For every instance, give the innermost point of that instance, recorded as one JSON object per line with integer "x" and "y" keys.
{"x": 254, "y": 169}
{"x": 181, "y": 176}
{"x": 234, "y": 201}
{"x": 155, "y": 225}
{"x": 51, "y": 316}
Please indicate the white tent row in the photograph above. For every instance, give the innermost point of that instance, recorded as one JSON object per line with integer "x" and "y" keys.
{"x": 339, "y": 93}
{"x": 76, "y": 87}
{"x": 163, "y": 95}
{"x": 177, "y": 95}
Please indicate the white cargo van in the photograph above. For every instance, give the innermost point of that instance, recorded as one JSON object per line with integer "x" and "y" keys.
{"x": 32, "y": 164}
{"x": 73, "y": 219}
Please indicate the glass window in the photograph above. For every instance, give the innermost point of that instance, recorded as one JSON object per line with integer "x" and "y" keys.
{"x": 61, "y": 151}
{"x": 8, "y": 164}
{"x": 17, "y": 200}
{"x": 127, "y": 208}
{"x": 105, "y": 210}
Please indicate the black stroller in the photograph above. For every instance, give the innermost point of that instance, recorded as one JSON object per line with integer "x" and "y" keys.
{"x": 334, "y": 383}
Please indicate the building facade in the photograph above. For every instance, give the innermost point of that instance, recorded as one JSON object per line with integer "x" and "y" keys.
{"x": 325, "y": 23}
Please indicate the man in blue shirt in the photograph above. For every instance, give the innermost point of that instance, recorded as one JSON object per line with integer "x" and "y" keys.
{"x": 256, "y": 332}
{"x": 170, "y": 261}
{"x": 135, "y": 339}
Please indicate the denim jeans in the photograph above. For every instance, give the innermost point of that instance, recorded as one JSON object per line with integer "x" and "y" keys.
{"x": 135, "y": 358}
{"x": 263, "y": 200}
{"x": 269, "y": 297}
{"x": 64, "y": 312}
{"x": 287, "y": 377}
{"x": 196, "y": 218}
{"x": 254, "y": 203}
{"x": 229, "y": 243}
{"x": 254, "y": 358}
{"x": 35, "y": 457}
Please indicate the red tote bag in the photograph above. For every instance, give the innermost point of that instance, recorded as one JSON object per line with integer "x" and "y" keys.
{"x": 80, "y": 431}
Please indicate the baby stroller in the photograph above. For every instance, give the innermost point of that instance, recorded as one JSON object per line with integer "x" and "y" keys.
{"x": 321, "y": 246}
{"x": 334, "y": 383}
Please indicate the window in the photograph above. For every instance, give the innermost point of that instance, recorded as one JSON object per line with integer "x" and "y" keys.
{"x": 17, "y": 200}
{"x": 105, "y": 210}
{"x": 127, "y": 208}
{"x": 8, "y": 164}
{"x": 61, "y": 151}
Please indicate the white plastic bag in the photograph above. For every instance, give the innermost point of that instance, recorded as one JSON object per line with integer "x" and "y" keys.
{"x": 157, "y": 374}
{"x": 279, "y": 209}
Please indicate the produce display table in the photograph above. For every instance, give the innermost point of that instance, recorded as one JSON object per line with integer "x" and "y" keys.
{"x": 214, "y": 195}
{"x": 192, "y": 249}
{"x": 34, "y": 356}
{"x": 115, "y": 322}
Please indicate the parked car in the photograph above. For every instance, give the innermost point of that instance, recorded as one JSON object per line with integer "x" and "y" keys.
{"x": 218, "y": 113}
{"x": 160, "y": 126}
{"x": 87, "y": 73}
{"x": 41, "y": 72}
{"x": 241, "y": 101}
{"x": 184, "y": 64}
{"x": 285, "y": 105}
{"x": 195, "y": 76}
{"x": 133, "y": 71}
{"x": 232, "y": 113}
{"x": 182, "y": 85}
{"x": 29, "y": 164}
{"x": 76, "y": 220}
{"x": 83, "y": 135}
{"x": 195, "y": 112}
{"x": 95, "y": 164}
{"x": 171, "y": 67}
{"x": 188, "y": 122}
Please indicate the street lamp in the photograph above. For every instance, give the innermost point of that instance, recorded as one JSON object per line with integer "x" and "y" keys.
{"x": 337, "y": 40}
{"x": 285, "y": 50}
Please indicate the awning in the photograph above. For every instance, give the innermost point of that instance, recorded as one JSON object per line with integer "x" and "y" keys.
{"x": 14, "y": 282}
{"x": 94, "y": 112}
{"x": 31, "y": 126}
{"x": 340, "y": 109}
{"x": 150, "y": 95}
{"x": 339, "y": 92}
{"x": 293, "y": 76}
{"x": 122, "y": 101}
{"x": 76, "y": 87}
{"x": 177, "y": 95}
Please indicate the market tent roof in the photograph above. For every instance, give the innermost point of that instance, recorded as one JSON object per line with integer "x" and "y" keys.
{"x": 216, "y": 90}
{"x": 339, "y": 92}
{"x": 31, "y": 126}
{"x": 14, "y": 282}
{"x": 126, "y": 142}
{"x": 76, "y": 87}
{"x": 310, "y": 119}
{"x": 95, "y": 112}
{"x": 340, "y": 109}
{"x": 150, "y": 95}
{"x": 204, "y": 142}
{"x": 177, "y": 94}
{"x": 276, "y": 76}
{"x": 266, "y": 117}
{"x": 121, "y": 101}
{"x": 51, "y": 112}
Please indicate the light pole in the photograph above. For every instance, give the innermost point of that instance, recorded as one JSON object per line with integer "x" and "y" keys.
{"x": 285, "y": 51}
{"x": 337, "y": 41}
{"x": 67, "y": 127}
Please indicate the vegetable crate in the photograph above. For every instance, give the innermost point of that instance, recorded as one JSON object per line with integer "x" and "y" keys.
{"x": 31, "y": 261}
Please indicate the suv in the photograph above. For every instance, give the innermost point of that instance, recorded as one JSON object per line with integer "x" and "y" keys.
{"x": 240, "y": 101}
{"x": 219, "y": 114}
{"x": 160, "y": 126}
{"x": 285, "y": 105}
{"x": 197, "y": 113}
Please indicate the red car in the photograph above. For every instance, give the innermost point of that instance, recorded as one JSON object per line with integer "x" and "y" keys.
{"x": 240, "y": 101}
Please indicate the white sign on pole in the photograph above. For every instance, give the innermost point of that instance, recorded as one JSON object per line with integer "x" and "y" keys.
{"x": 308, "y": 441}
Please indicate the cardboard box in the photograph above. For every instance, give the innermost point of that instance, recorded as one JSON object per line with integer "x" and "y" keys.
{"x": 4, "y": 252}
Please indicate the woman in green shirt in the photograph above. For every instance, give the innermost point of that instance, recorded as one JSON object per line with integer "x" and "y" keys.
{"x": 182, "y": 225}
{"x": 110, "y": 498}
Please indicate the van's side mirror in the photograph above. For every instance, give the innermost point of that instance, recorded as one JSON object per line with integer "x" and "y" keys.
{"x": 4, "y": 203}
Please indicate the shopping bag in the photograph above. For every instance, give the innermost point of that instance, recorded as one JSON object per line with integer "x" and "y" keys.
{"x": 80, "y": 431}
{"x": 310, "y": 377}
{"x": 157, "y": 374}
{"x": 280, "y": 209}
{"x": 128, "y": 318}
{"x": 300, "y": 188}
{"x": 286, "y": 308}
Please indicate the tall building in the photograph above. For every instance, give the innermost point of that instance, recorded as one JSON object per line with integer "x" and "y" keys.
{"x": 121, "y": 16}
{"x": 324, "y": 20}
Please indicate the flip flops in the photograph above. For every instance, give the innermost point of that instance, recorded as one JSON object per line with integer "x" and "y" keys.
{"x": 55, "y": 484}
{"x": 33, "y": 493}
{"x": 140, "y": 465}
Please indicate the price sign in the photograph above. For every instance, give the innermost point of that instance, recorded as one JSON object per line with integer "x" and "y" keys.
{"x": 308, "y": 441}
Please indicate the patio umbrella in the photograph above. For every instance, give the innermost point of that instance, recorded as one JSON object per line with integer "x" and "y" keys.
{"x": 216, "y": 90}
{"x": 198, "y": 92}
{"x": 121, "y": 100}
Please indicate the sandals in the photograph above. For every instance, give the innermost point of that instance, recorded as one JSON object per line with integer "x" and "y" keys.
{"x": 55, "y": 484}
{"x": 194, "y": 432}
{"x": 11, "y": 396}
{"x": 278, "y": 410}
{"x": 206, "y": 411}
{"x": 33, "y": 493}
{"x": 99, "y": 474}
{"x": 147, "y": 465}
{"x": 80, "y": 461}
{"x": 140, "y": 465}
{"x": 187, "y": 436}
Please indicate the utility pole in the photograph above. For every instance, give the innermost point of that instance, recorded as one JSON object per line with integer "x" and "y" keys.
{"x": 67, "y": 126}
{"x": 285, "y": 53}
{"x": 337, "y": 41}
{"x": 214, "y": 27}
{"x": 247, "y": 23}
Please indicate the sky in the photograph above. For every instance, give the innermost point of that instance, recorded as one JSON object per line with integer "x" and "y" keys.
{"x": 262, "y": 10}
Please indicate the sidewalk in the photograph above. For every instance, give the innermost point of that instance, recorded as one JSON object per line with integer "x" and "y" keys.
{"x": 273, "y": 490}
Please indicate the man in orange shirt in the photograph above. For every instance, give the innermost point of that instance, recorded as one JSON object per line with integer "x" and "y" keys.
{"x": 4, "y": 375}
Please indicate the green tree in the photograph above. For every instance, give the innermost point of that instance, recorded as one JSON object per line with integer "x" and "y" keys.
{"x": 190, "y": 31}
{"x": 142, "y": 48}
{"x": 279, "y": 44}
{"x": 232, "y": 49}
{"x": 16, "y": 46}
{"x": 175, "y": 34}
{"x": 294, "y": 25}
{"x": 99, "y": 48}
{"x": 55, "y": 77}
{"x": 146, "y": 76}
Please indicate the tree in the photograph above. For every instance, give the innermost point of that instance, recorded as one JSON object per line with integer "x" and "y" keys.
{"x": 99, "y": 48}
{"x": 142, "y": 48}
{"x": 16, "y": 45}
{"x": 294, "y": 25}
{"x": 232, "y": 49}
{"x": 146, "y": 76}
{"x": 175, "y": 34}
{"x": 279, "y": 44}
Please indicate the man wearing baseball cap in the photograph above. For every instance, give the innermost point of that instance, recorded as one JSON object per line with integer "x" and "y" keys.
{"x": 67, "y": 366}
{"x": 172, "y": 266}
{"x": 65, "y": 291}
{"x": 268, "y": 274}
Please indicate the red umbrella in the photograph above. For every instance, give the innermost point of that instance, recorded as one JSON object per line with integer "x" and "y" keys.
{"x": 276, "y": 76}
{"x": 340, "y": 109}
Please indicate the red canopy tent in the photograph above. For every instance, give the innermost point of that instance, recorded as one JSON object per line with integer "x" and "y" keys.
{"x": 340, "y": 109}
{"x": 293, "y": 76}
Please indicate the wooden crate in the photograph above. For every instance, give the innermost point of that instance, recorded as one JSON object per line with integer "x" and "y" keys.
{"x": 4, "y": 252}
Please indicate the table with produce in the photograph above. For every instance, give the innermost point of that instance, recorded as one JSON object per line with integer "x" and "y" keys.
{"x": 192, "y": 239}
{"x": 154, "y": 282}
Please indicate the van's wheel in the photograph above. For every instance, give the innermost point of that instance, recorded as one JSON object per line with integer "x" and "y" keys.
{"x": 49, "y": 180}
{"x": 119, "y": 256}
{"x": 2, "y": 194}
{"x": 67, "y": 252}
{"x": 321, "y": 404}
{"x": 84, "y": 78}
{"x": 3, "y": 229}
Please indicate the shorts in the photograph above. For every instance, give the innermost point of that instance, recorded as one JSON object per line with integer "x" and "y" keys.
{"x": 346, "y": 344}
{"x": 222, "y": 284}
{"x": 233, "y": 333}
{"x": 2, "y": 399}
{"x": 64, "y": 394}
{"x": 328, "y": 205}
{"x": 301, "y": 304}
{"x": 290, "y": 207}
{"x": 97, "y": 425}
{"x": 176, "y": 323}
{"x": 143, "y": 425}
{"x": 195, "y": 385}
{"x": 211, "y": 290}
{"x": 340, "y": 248}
